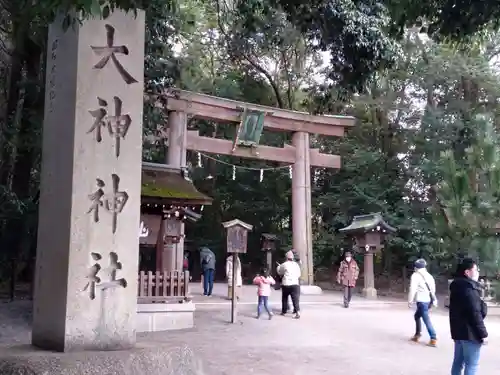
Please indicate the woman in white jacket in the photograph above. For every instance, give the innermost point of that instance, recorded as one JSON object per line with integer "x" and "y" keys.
{"x": 229, "y": 275}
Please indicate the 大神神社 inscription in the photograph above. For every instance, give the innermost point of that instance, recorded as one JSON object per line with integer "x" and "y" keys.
{"x": 113, "y": 202}
{"x": 94, "y": 281}
{"x": 117, "y": 125}
{"x": 109, "y": 53}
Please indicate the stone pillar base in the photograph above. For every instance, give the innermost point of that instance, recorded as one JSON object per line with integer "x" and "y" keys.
{"x": 310, "y": 290}
{"x": 370, "y": 293}
{"x": 145, "y": 359}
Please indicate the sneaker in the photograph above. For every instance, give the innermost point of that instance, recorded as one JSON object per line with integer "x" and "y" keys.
{"x": 257, "y": 317}
{"x": 270, "y": 316}
{"x": 415, "y": 338}
{"x": 432, "y": 343}
{"x": 296, "y": 316}
{"x": 282, "y": 314}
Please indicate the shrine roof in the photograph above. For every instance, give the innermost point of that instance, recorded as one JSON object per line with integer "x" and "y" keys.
{"x": 165, "y": 184}
{"x": 365, "y": 223}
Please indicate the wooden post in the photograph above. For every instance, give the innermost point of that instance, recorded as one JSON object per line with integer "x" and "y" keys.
{"x": 234, "y": 307}
{"x": 237, "y": 234}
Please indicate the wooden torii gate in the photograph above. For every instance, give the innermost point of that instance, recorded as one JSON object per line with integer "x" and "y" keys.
{"x": 181, "y": 103}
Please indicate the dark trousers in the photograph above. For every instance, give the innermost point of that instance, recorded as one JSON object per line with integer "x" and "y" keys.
{"x": 347, "y": 295}
{"x": 263, "y": 302}
{"x": 292, "y": 291}
{"x": 208, "y": 282}
{"x": 422, "y": 313}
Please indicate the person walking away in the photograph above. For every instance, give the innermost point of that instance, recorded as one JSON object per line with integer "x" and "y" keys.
{"x": 467, "y": 314}
{"x": 347, "y": 276}
{"x": 207, "y": 260}
{"x": 229, "y": 275}
{"x": 290, "y": 286}
{"x": 423, "y": 293}
{"x": 264, "y": 282}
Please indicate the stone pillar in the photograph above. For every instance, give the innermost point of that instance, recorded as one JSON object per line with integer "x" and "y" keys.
{"x": 301, "y": 205}
{"x": 369, "y": 290}
{"x": 87, "y": 257}
{"x": 176, "y": 156}
{"x": 269, "y": 260}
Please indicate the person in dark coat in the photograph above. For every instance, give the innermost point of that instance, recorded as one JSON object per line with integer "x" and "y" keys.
{"x": 467, "y": 313}
{"x": 207, "y": 260}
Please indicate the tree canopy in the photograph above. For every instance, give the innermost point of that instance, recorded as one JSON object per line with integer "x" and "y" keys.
{"x": 419, "y": 76}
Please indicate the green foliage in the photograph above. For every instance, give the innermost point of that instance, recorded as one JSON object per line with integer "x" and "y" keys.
{"x": 414, "y": 99}
{"x": 468, "y": 198}
{"x": 353, "y": 32}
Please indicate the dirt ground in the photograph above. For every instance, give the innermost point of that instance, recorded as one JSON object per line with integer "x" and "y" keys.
{"x": 371, "y": 337}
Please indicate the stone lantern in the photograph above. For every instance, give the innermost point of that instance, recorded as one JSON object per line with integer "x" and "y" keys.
{"x": 368, "y": 232}
{"x": 268, "y": 245}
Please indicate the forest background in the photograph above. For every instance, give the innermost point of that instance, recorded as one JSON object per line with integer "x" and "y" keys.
{"x": 421, "y": 77}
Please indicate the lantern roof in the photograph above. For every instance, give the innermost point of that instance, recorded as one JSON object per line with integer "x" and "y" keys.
{"x": 237, "y": 222}
{"x": 366, "y": 223}
{"x": 165, "y": 184}
{"x": 270, "y": 237}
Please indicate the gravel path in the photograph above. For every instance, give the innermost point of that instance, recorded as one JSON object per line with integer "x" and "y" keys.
{"x": 365, "y": 339}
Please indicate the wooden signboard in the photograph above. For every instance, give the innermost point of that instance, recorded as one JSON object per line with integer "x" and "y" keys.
{"x": 237, "y": 235}
{"x": 237, "y": 239}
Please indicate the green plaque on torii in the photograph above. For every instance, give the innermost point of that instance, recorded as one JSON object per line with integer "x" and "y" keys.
{"x": 250, "y": 128}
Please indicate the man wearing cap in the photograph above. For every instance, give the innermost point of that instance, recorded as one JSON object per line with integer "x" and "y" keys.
{"x": 290, "y": 273}
{"x": 423, "y": 293}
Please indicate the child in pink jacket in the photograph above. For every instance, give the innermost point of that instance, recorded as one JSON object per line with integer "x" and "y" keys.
{"x": 264, "y": 282}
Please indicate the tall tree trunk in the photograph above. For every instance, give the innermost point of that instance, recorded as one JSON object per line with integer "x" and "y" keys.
{"x": 32, "y": 114}
{"x": 13, "y": 97}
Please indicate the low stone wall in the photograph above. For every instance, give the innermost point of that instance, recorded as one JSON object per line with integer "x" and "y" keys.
{"x": 153, "y": 317}
{"x": 145, "y": 359}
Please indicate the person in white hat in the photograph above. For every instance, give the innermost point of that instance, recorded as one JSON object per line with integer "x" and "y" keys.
{"x": 290, "y": 286}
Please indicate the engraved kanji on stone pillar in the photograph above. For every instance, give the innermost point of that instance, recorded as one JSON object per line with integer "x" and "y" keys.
{"x": 109, "y": 52}
{"x": 85, "y": 294}
{"x": 117, "y": 125}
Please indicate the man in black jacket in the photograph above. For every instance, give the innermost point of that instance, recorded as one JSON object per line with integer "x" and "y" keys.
{"x": 467, "y": 313}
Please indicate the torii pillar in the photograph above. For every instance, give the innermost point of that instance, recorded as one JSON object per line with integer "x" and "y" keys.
{"x": 176, "y": 157}
{"x": 301, "y": 205}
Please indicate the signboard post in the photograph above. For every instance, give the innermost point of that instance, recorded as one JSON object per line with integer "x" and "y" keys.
{"x": 237, "y": 235}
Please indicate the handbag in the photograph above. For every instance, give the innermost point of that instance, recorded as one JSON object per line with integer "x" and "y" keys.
{"x": 431, "y": 304}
